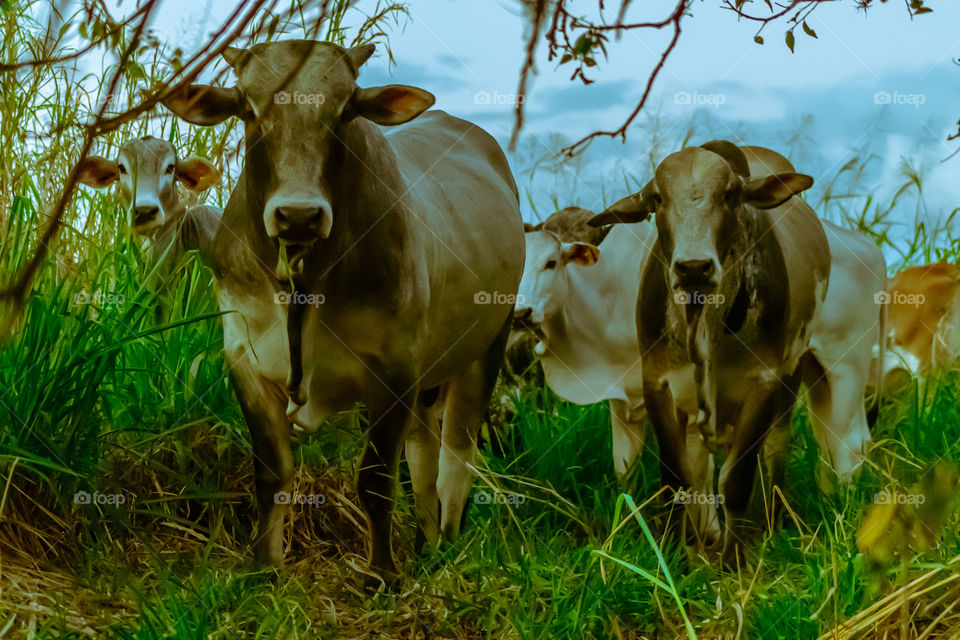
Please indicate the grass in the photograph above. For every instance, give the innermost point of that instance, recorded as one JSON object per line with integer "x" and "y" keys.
{"x": 98, "y": 398}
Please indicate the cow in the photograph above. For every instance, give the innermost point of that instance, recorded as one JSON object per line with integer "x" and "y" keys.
{"x": 148, "y": 170}
{"x": 358, "y": 266}
{"x": 581, "y": 302}
{"x": 923, "y": 307}
{"x": 729, "y": 298}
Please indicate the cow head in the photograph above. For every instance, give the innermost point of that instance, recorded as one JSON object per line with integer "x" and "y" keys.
{"x": 148, "y": 169}
{"x": 703, "y": 198}
{"x": 544, "y": 286}
{"x": 294, "y": 96}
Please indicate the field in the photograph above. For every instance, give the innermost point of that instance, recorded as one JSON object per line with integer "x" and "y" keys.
{"x": 126, "y": 480}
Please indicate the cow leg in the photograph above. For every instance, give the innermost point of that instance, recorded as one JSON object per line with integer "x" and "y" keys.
{"x": 264, "y": 410}
{"x": 702, "y": 507}
{"x": 776, "y": 446}
{"x": 423, "y": 454}
{"x": 627, "y": 428}
{"x": 670, "y": 437}
{"x": 737, "y": 474}
{"x": 838, "y": 418}
{"x": 390, "y": 416}
{"x": 468, "y": 395}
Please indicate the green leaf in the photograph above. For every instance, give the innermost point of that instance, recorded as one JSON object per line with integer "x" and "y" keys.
{"x": 790, "y": 40}
{"x": 758, "y": 39}
{"x": 810, "y": 32}
{"x": 582, "y": 45}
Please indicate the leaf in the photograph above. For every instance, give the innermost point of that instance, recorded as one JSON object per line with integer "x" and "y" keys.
{"x": 590, "y": 62}
{"x": 582, "y": 45}
{"x": 810, "y": 32}
{"x": 920, "y": 10}
{"x": 567, "y": 57}
{"x": 758, "y": 39}
{"x": 790, "y": 40}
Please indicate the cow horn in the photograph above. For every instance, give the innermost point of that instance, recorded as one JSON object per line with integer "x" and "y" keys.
{"x": 360, "y": 53}
{"x": 732, "y": 154}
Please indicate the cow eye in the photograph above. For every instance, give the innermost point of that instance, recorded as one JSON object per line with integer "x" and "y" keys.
{"x": 170, "y": 169}
{"x": 122, "y": 169}
{"x": 551, "y": 264}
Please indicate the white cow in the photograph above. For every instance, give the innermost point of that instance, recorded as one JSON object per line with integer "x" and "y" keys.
{"x": 581, "y": 302}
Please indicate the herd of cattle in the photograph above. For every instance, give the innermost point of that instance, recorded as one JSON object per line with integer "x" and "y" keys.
{"x": 382, "y": 265}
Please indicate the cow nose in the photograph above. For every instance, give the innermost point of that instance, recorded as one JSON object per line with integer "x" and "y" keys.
{"x": 299, "y": 223}
{"x": 145, "y": 214}
{"x": 694, "y": 270}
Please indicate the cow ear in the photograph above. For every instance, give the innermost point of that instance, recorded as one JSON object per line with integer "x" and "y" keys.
{"x": 391, "y": 104}
{"x": 98, "y": 172}
{"x": 580, "y": 253}
{"x": 772, "y": 191}
{"x": 636, "y": 207}
{"x": 204, "y": 105}
{"x": 197, "y": 174}
{"x": 528, "y": 228}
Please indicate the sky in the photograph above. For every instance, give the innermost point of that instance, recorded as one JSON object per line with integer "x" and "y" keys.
{"x": 875, "y": 88}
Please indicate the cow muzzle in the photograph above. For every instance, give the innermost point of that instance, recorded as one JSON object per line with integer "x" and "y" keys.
{"x": 146, "y": 218}
{"x": 302, "y": 223}
{"x": 695, "y": 273}
{"x": 297, "y": 224}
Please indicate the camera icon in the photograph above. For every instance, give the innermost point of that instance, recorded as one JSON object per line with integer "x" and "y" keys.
{"x": 481, "y": 497}
{"x": 281, "y": 497}
{"x": 81, "y": 298}
{"x": 81, "y": 497}
{"x": 881, "y": 97}
{"x": 281, "y": 97}
{"x": 681, "y": 97}
{"x": 682, "y": 497}
{"x": 481, "y": 297}
{"x": 681, "y": 297}
{"x": 881, "y": 297}
{"x": 481, "y": 97}
{"x": 881, "y": 498}
{"x": 282, "y": 297}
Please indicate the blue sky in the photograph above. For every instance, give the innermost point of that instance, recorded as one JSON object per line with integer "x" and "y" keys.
{"x": 823, "y": 105}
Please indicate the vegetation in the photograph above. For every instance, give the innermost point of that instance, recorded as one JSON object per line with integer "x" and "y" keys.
{"x": 126, "y": 475}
